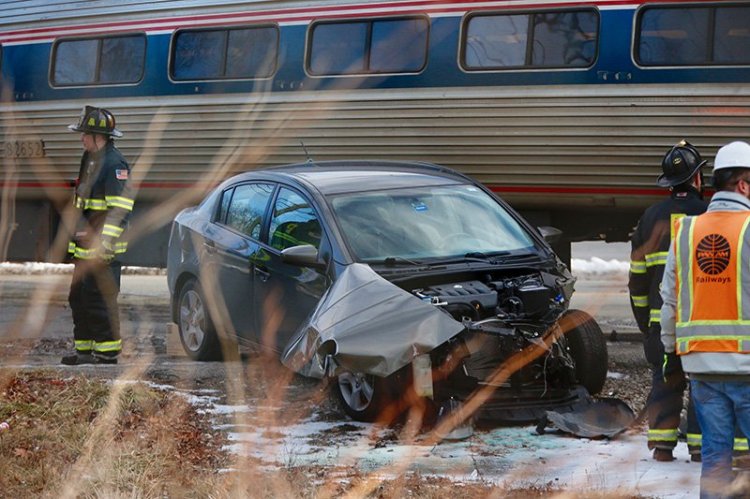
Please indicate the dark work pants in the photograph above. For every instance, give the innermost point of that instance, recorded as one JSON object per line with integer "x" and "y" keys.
{"x": 664, "y": 402}
{"x": 93, "y": 301}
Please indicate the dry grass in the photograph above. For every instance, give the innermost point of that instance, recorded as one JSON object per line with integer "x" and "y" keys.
{"x": 85, "y": 438}
{"x": 77, "y": 437}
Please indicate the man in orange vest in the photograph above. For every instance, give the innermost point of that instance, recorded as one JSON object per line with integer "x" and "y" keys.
{"x": 705, "y": 318}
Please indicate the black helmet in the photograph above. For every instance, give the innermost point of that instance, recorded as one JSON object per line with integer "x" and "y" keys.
{"x": 96, "y": 120}
{"x": 679, "y": 165}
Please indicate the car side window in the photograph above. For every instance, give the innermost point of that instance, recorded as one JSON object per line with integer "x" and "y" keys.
{"x": 247, "y": 206}
{"x": 294, "y": 222}
{"x": 221, "y": 213}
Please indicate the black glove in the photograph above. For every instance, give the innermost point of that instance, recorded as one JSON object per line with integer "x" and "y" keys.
{"x": 672, "y": 365}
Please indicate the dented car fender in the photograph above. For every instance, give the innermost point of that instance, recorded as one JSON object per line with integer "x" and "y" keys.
{"x": 363, "y": 323}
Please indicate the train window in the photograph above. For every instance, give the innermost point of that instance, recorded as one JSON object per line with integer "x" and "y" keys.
{"x": 398, "y": 46}
{"x": 559, "y": 39}
{"x": 98, "y": 61}
{"x": 338, "y": 48}
{"x": 373, "y": 46}
{"x": 220, "y": 54}
{"x": 691, "y": 36}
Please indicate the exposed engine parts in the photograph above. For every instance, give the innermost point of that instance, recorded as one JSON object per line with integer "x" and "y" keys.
{"x": 512, "y": 340}
{"x": 524, "y": 297}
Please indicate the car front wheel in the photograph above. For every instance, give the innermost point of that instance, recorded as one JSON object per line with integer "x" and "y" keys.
{"x": 197, "y": 332}
{"x": 363, "y": 397}
{"x": 588, "y": 348}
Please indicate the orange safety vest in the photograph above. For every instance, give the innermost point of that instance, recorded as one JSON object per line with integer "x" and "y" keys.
{"x": 713, "y": 283}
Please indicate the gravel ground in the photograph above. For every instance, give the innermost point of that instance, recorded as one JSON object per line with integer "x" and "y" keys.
{"x": 629, "y": 376}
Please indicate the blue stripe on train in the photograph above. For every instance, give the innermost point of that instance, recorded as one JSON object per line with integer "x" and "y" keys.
{"x": 21, "y": 64}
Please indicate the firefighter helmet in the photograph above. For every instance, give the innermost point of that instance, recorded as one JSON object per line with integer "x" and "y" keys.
{"x": 96, "y": 120}
{"x": 733, "y": 155}
{"x": 680, "y": 164}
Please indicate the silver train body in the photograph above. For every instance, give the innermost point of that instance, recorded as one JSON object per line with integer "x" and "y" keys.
{"x": 577, "y": 148}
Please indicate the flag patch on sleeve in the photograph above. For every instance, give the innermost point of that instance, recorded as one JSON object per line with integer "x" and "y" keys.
{"x": 121, "y": 174}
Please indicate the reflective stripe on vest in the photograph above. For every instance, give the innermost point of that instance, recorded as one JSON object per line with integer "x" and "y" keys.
{"x": 658, "y": 258}
{"x": 108, "y": 346}
{"x": 91, "y": 253}
{"x": 112, "y": 230}
{"x": 84, "y": 346}
{"x": 119, "y": 202}
{"x": 104, "y": 204}
{"x": 694, "y": 439}
{"x": 639, "y": 300}
{"x": 638, "y": 267}
{"x": 740, "y": 444}
{"x": 713, "y": 312}
{"x": 655, "y": 435}
{"x": 91, "y": 204}
{"x": 654, "y": 316}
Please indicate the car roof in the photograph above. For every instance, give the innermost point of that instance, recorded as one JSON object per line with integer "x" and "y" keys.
{"x": 335, "y": 177}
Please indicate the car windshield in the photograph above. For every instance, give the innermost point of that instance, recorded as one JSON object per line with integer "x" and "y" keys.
{"x": 433, "y": 222}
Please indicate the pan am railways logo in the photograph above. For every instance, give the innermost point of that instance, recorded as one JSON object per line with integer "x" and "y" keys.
{"x": 712, "y": 255}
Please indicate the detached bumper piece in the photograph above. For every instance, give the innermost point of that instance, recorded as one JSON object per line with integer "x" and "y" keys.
{"x": 591, "y": 418}
{"x": 504, "y": 407}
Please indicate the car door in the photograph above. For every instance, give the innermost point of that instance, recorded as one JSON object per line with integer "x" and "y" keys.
{"x": 235, "y": 244}
{"x": 285, "y": 295}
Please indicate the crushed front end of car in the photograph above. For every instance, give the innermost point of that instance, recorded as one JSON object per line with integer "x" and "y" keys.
{"x": 498, "y": 338}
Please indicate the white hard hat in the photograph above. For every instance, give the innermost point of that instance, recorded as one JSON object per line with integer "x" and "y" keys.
{"x": 733, "y": 155}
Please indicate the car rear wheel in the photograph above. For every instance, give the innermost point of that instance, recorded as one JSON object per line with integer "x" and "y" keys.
{"x": 363, "y": 397}
{"x": 197, "y": 332}
{"x": 588, "y": 349}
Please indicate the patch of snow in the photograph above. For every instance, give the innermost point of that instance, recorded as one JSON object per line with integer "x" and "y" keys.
{"x": 514, "y": 456}
{"x": 597, "y": 267}
{"x": 580, "y": 267}
{"x": 43, "y": 268}
{"x": 616, "y": 375}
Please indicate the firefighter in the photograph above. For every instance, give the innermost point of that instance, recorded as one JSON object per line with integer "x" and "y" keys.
{"x": 681, "y": 168}
{"x": 706, "y": 314}
{"x": 103, "y": 197}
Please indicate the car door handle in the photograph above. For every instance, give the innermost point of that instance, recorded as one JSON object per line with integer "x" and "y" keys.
{"x": 210, "y": 246}
{"x": 262, "y": 274}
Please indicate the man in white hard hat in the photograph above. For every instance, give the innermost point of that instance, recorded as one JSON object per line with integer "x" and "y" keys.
{"x": 705, "y": 318}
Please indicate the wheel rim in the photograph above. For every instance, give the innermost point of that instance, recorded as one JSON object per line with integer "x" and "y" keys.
{"x": 357, "y": 390}
{"x": 192, "y": 320}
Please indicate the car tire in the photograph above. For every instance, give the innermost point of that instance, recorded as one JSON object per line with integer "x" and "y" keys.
{"x": 588, "y": 349}
{"x": 363, "y": 397}
{"x": 197, "y": 332}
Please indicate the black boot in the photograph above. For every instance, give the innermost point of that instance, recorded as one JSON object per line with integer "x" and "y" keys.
{"x": 78, "y": 359}
{"x": 663, "y": 455}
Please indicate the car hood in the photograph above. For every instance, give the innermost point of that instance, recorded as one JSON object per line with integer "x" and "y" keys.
{"x": 368, "y": 325}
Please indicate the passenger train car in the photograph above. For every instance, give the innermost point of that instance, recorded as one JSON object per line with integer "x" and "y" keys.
{"x": 564, "y": 108}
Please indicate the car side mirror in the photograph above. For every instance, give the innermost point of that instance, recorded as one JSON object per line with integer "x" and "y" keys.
{"x": 303, "y": 255}
{"x": 550, "y": 234}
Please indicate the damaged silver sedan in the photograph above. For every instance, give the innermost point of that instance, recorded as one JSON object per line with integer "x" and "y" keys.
{"x": 399, "y": 282}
